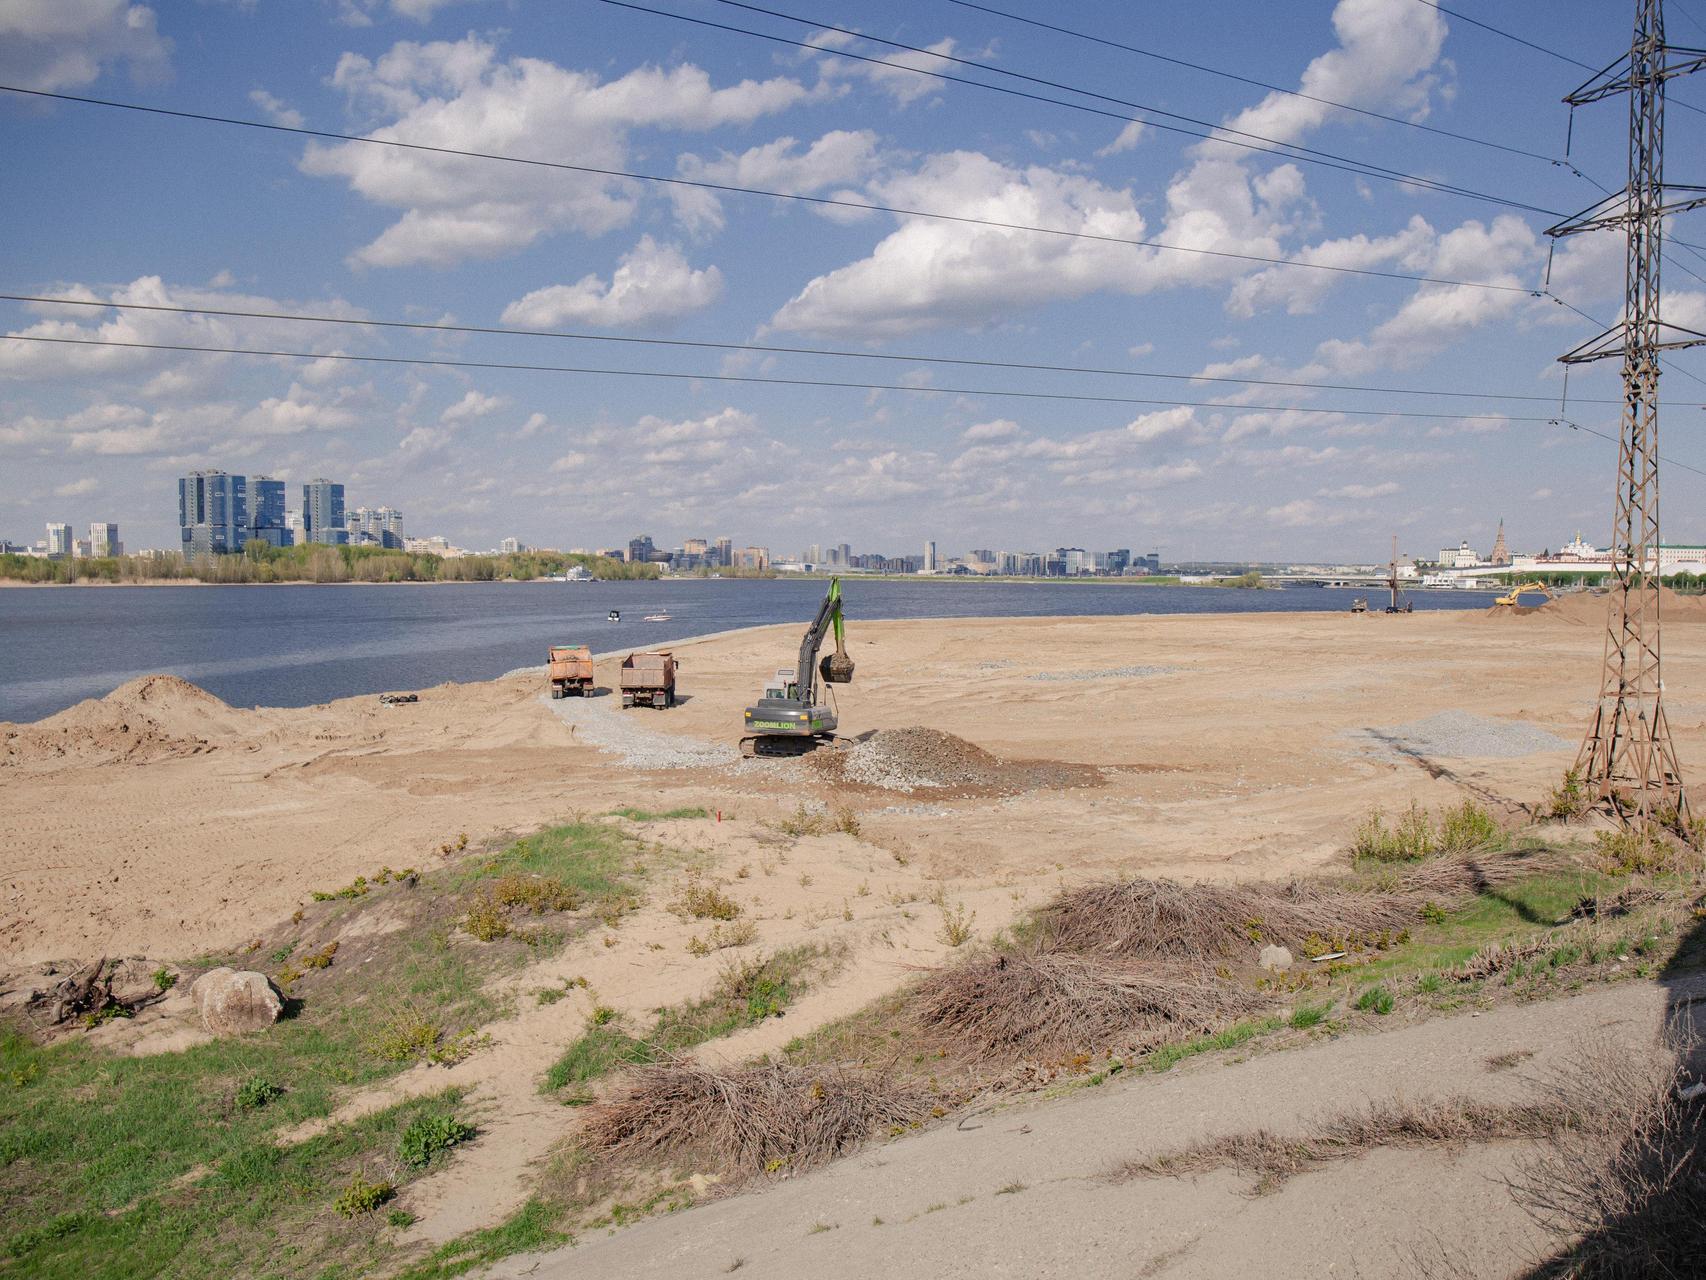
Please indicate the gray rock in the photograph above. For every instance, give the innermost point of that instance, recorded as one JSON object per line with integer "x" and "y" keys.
{"x": 1275, "y": 959}
{"x": 233, "y": 1001}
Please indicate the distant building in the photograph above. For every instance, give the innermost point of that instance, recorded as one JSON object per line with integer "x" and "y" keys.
{"x": 323, "y": 512}
{"x": 752, "y": 558}
{"x": 103, "y": 540}
{"x": 1501, "y": 553}
{"x": 1461, "y": 556}
{"x": 510, "y": 546}
{"x": 929, "y": 557}
{"x": 293, "y": 529}
{"x": 724, "y": 550}
{"x": 213, "y": 514}
{"x": 59, "y": 545}
{"x": 640, "y": 549}
{"x": 391, "y": 527}
{"x": 267, "y": 514}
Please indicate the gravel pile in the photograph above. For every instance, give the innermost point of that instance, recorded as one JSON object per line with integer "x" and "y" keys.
{"x": 625, "y": 734}
{"x": 1108, "y": 674}
{"x": 920, "y": 759}
{"x": 1459, "y": 734}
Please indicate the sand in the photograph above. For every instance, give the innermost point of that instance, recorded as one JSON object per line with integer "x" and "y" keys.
{"x": 160, "y": 821}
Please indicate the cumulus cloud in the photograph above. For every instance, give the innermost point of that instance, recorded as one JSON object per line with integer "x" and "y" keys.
{"x": 77, "y": 488}
{"x": 836, "y": 159}
{"x": 1126, "y": 140}
{"x": 473, "y": 405}
{"x": 66, "y": 44}
{"x": 277, "y": 110}
{"x": 897, "y": 74}
{"x": 999, "y": 429}
{"x": 462, "y": 95}
{"x": 653, "y": 283}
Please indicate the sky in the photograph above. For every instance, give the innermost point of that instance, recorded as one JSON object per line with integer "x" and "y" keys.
{"x": 105, "y": 205}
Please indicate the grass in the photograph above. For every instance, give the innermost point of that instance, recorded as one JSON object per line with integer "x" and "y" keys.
{"x": 1468, "y": 827}
{"x": 666, "y": 815}
{"x": 744, "y": 994}
{"x": 529, "y": 1229}
{"x": 114, "y": 1166}
{"x": 819, "y": 822}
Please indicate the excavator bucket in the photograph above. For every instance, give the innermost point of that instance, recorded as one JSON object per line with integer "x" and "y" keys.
{"x": 836, "y": 668}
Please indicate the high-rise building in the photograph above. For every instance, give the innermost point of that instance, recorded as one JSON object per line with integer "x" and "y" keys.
{"x": 640, "y": 549}
{"x": 323, "y": 512}
{"x": 293, "y": 530}
{"x": 59, "y": 540}
{"x": 929, "y": 557}
{"x": 510, "y": 546}
{"x": 103, "y": 540}
{"x": 725, "y": 549}
{"x": 695, "y": 547}
{"x": 267, "y": 511}
{"x": 391, "y": 527}
{"x": 213, "y": 513}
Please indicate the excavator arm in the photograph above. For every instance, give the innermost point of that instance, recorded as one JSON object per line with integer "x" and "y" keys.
{"x": 838, "y": 667}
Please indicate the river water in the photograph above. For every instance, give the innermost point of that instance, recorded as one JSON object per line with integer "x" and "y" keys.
{"x": 292, "y": 646}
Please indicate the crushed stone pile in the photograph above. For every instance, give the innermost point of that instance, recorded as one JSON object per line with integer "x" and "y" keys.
{"x": 151, "y": 718}
{"x": 1461, "y": 734}
{"x": 921, "y": 759}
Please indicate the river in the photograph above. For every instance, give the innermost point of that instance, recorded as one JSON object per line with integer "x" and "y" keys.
{"x": 295, "y": 645}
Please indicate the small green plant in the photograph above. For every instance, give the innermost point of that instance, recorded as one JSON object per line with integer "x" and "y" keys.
{"x": 355, "y": 889}
{"x": 805, "y": 822}
{"x": 602, "y": 1016}
{"x": 1567, "y": 800}
{"x": 321, "y": 959}
{"x": 486, "y": 919}
{"x": 1634, "y": 850}
{"x": 1468, "y": 828}
{"x": 362, "y": 1196}
{"x": 1377, "y": 1000}
{"x": 1433, "y": 913}
{"x": 431, "y": 1135}
{"x": 956, "y": 924}
{"x": 401, "y": 1218}
{"x": 164, "y": 979}
{"x": 283, "y": 953}
{"x": 1429, "y": 983}
{"x": 256, "y": 1092}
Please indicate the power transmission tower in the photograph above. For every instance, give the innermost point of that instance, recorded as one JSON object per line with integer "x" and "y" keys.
{"x": 1627, "y": 762}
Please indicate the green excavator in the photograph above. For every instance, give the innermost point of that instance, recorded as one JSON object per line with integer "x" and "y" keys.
{"x": 789, "y": 720}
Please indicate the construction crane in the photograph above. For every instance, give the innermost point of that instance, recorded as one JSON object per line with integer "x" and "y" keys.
{"x": 1510, "y": 600}
{"x": 789, "y": 720}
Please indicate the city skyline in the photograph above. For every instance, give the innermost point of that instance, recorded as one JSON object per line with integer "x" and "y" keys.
{"x": 1281, "y": 466}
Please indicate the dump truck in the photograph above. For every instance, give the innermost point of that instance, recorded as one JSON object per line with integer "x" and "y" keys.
{"x": 790, "y": 719}
{"x": 569, "y": 669}
{"x": 648, "y": 679}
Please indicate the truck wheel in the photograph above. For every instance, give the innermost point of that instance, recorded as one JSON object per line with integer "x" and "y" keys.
{"x": 555, "y": 693}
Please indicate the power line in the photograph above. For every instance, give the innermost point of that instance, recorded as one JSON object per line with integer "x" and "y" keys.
{"x": 430, "y": 326}
{"x": 1538, "y": 48}
{"x": 435, "y": 361}
{"x": 1306, "y": 155}
{"x": 1249, "y": 80}
{"x": 726, "y": 188}
{"x": 803, "y": 382}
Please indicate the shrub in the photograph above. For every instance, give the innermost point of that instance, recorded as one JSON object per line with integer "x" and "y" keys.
{"x": 956, "y": 924}
{"x": 537, "y": 893}
{"x": 1468, "y": 828}
{"x": 1634, "y": 850}
{"x": 404, "y": 1035}
{"x": 486, "y": 918}
{"x": 429, "y": 1135}
{"x": 721, "y": 936}
{"x": 256, "y": 1092}
{"x": 701, "y": 901}
{"x": 1413, "y": 837}
{"x": 362, "y": 1196}
{"x": 164, "y": 979}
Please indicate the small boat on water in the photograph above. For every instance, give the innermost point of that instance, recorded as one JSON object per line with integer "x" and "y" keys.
{"x": 658, "y": 617}
{"x": 615, "y": 615}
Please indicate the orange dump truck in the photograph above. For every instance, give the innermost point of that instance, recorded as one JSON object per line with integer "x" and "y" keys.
{"x": 648, "y": 679}
{"x": 569, "y": 669}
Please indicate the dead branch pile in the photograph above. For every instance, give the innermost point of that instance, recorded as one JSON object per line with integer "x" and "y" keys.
{"x": 1454, "y": 876}
{"x": 1050, "y": 1005}
{"x": 767, "y": 1118}
{"x": 1271, "y": 1158}
{"x": 1608, "y": 906}
{"x": 1159, "y": 919}
{"x": 1625, "y": 1178}
{"x": 88, "y": 994}
{"x": 1496, "y": 957}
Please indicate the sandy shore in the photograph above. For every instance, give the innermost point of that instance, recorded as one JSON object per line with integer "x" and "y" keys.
{"x": 169, "y": 823}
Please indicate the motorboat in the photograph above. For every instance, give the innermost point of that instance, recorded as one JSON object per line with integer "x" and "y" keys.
{"x": 658, "y": 617}
{"x": 615, "y": 615}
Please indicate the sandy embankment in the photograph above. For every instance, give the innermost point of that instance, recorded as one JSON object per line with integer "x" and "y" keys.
{"x": 161, "y": 821}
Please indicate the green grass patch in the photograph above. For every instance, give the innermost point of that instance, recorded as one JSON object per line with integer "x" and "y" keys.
{"x": 589, "y": 857}
{"x": 531, "y": 1228}
{"x": 1169, "y": 1056}
{"x": 665, "y": 815}
{"x": 599, "y": 1050}
{"x": 1309, "y": 1015}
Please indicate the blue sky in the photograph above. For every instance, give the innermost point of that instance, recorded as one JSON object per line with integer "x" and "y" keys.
{"x": 116, "y": 206}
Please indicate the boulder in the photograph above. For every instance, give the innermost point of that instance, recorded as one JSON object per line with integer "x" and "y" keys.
{"x": 1275, "y": 959}
{"x": 232, "y": 1001}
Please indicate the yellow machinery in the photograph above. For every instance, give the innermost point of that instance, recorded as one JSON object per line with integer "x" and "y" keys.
{"x": 1521, "y": 587}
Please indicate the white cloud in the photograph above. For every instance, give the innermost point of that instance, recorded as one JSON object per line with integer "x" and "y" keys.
{"x": 1126, "y": 140}
{"x": 277, "y": 110}
{"x": 1384, "y": 490}
{"x": 897, "y": 74}
{"x": 471, "y": 406}
{"x": 999, "y": 429}
{"x": 66, "y": 44}
{"x": 77, "y": 488}
{"x": 1301, "y": 291}
{"x": 461, "y": 95}
{"x": 836, "y": 159}
{"x": 653, "y": 283}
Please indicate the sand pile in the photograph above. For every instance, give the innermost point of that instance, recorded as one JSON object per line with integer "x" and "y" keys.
{"x": 916, "y": 758}
{"x": 1588, "y": 608}
{"x": 151, "y": 718}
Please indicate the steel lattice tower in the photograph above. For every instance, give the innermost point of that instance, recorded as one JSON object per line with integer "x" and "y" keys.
{"x": 1627, "y": 762}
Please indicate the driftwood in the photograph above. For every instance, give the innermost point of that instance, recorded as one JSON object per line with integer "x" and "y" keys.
{"x": 87, "y": 996}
